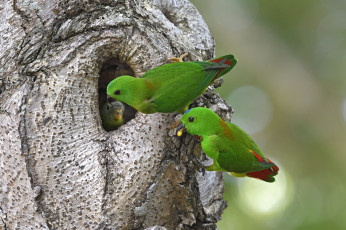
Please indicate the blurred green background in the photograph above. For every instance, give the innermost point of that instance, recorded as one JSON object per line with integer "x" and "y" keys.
{"x": 288, "y": 91}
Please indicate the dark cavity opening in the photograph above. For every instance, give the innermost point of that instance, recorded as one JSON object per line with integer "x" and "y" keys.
{"x": 109, "y": 71}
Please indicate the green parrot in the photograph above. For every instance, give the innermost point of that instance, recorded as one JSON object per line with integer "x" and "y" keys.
{"x": 170, "y": 87}
{"x": 112, "y": 114}
{"x": 231, "y": 149}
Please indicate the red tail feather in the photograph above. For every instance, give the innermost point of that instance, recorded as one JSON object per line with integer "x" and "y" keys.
{"x": 227, "y": 62}
{"x": 266, "y": 174}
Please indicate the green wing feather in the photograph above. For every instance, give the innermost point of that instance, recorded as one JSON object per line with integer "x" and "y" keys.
{"x": 238, "y": 157}
{"x": 178, "y": 84}
{"x": 241, "y": 162}
{"x": 211, "y": 72}
{"x": 246, "y": 141}
{"x": 227, "y": 59}
{"x": 178, "y": 87}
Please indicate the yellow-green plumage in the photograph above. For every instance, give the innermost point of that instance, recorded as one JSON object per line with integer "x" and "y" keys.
{"x": 112, "y": 115}
{"x": 170, "y": 87}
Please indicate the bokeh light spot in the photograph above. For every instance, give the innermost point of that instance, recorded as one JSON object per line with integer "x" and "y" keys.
{"x": 266, "y": 198}
{"x": 253, "y": 108}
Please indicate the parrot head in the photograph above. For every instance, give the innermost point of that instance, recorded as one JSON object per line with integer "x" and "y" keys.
{"x": 121, "y": 89}
{"x": 115, "y": 109}
{"x": 199, "y": 121}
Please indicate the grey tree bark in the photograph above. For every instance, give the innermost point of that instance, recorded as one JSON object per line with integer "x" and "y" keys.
{"x": 59, "y": 169}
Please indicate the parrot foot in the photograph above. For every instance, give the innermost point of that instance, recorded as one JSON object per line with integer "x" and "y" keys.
{"x": 177, "y": 59}
{"x": 199, "y": 165}
{"x": 174, "y": 125}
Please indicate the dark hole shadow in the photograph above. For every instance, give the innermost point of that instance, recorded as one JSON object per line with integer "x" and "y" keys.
{"x": 110, "y": 70}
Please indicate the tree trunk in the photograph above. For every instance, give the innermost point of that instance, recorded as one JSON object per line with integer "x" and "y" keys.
{"x": 59, "y": 169}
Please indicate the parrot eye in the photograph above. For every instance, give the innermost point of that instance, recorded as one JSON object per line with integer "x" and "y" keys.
{"x": 116, "y": 92}
{"x": 191, "y": 119}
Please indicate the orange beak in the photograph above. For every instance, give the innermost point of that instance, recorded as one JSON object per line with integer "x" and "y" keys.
{"x": 118, "y": 115}
{"x": 180, "y": 129}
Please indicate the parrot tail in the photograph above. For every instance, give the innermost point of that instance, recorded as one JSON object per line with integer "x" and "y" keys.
{"x": 229, "y": 60}
{"x": 266, "y": 174}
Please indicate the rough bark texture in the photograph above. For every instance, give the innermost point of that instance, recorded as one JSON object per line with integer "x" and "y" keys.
{"x": 59, "y": 169}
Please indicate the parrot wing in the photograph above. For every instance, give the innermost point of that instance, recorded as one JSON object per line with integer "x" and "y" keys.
{"x": 241, "y": 162}
{"x": 247, "y": 163}
{"x": 241, "y": 138}
{"x": 178, "y": 84}
{"x": 230, "y": 154}
{"x": 253, "y": 160}
{"x": 167, "y": 73}
{"x": 211, "y": 72}
{"x": 228, "y": 60}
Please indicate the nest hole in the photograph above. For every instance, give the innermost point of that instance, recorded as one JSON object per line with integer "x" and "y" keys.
{"x": 110, "y": 70}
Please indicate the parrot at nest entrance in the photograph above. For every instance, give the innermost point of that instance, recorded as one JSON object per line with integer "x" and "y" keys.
{"x": 171, "y": 87}
{"x": 112, "y": 114}
{"x": 231, "y": 149}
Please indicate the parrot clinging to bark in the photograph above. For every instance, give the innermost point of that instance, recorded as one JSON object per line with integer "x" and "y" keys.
{"x": 170, "y": 87}
{"x": 231, "y": 149}
{"x": 112, "y": 114}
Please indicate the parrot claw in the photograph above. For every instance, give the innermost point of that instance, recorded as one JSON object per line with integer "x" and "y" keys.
{"x": 199, "y": 165}
{"x": 174, "y": 125}
{"x": 177, "y": 59}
